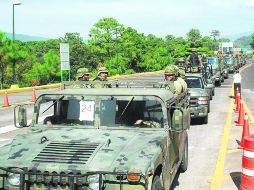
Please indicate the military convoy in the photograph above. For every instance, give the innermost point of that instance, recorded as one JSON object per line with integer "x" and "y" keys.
{"x": 108, "y": 135}
{"x": 130, "y": 136}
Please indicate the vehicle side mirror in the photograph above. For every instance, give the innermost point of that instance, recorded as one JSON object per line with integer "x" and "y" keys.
{"x": 22, "y": 116}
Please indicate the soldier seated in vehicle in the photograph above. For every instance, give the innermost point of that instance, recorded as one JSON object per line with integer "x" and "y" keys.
{"x": 48, "y": 121}
{"x": 147, "y": 124}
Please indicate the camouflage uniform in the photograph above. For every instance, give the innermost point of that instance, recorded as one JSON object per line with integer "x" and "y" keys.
{"x": 173, "y": 70}
{"x": 181, "y": 79}
{"x": 79, "y": 77}
{"x": 193, "y": 59}
{"x": 81, "y": 72}
{"x": 98, "y": 78}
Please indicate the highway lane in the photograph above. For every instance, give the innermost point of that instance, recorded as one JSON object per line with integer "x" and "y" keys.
{"x": 204, "y": 141}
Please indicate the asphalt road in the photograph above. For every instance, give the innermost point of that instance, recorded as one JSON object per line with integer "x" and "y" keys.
{"x": 204, "y": 140}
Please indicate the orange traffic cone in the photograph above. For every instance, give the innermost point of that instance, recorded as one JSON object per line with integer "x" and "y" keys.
{"x": 6, "y": 100}
{"x": 238, "y": 102}
{"x": 246, "y": 130}
{"x": 33, "y": 95}
{"x": 240, "y": 120}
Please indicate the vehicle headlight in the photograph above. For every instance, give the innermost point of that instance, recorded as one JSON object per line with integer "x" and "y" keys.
{"x": 93, "y": 181}
{"x": 14, "y": 179}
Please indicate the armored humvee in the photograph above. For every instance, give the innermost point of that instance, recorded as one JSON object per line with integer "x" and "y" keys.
{"x": 99, "y": 139}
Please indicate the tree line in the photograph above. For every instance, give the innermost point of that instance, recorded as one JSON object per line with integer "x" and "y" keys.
{"x": 123, "y": 50}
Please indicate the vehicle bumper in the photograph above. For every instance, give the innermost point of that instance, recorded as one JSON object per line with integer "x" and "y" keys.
{"x": 43, "y": 181}
{"x": 200, "y": 111}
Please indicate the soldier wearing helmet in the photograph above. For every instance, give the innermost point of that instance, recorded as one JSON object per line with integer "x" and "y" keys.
{"x": 102, "y": 75}
{"x": 181, "y": 79}
{"x": 82, "y": 74}
{"x": 171, "y": 74}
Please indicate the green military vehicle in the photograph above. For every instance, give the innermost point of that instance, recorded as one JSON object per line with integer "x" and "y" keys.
{"x": 229, "y": 63}
{"x": 217, "y": 70}
{"x": 199, "y": 97}
{"x": 99, "y": 139}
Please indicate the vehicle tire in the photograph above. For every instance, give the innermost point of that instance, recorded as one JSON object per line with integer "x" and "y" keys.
{"x": 209, "y": 107}
{"x": 157, "y": 183}
{"x": 213, "y": 92}
{"x": 211, "y": 96}
{"x": 205, "y": 120}
{"x": 184, "y": 164}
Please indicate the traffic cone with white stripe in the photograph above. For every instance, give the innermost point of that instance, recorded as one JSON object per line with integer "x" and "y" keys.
{"x": 6, "y": 100}
{"x": 33, "y": 95}
{"x": 240, "y": 121}
{"x": 247, "y": 182}
{"x": 246, "y": 130}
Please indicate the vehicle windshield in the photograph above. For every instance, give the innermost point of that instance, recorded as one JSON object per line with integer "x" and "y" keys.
{"x": 213, "y": 61}
{"x": 103, "y": 111}
{"x": 194, "y": 82}
{"x": 228, "y": 60}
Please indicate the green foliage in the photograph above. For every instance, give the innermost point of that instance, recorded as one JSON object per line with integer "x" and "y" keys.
{"x": 123, "y": 50}
{"x": 194, "y": 38}
{"x": 252, "y": 41}
{"x": 243, "y": 42}
{"x": 47, "y": 72}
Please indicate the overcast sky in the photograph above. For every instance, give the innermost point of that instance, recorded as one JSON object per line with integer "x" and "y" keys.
{"x": 53, "y": 18}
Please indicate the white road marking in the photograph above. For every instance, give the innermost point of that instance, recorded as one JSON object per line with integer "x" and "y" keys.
{"x": 7, "y": 129}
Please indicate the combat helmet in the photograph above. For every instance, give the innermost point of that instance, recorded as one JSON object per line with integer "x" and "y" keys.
{"x": 171, "y": 70}
{"x": 81, "y": 72}
{"x": 102, "y": 70}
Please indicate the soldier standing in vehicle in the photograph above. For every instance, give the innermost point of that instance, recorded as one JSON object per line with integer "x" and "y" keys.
{"x": 171, "y": 73}
{"x": 82, "y": 74}
{"x": 102, "y": 75}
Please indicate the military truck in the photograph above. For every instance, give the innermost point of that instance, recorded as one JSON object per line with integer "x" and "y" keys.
{"x": 217, "y": 70}
{"x": 199, "y": 97}
{"x": 99, "y": 139}
{"x": 229, "y": 63}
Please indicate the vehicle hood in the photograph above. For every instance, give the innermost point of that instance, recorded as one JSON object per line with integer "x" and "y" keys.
{"x": 71, "y": 149}
{"x": 197, "y": 92}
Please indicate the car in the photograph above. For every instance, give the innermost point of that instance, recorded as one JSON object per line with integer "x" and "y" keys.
{"x": 107, "y": 139}
{"x": 199, "y": 97}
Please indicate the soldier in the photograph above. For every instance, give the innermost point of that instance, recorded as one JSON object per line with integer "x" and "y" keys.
{"x": 193, "y": 59}
{"x": 181, "y": 79}
{"x": 171, "y": 73}
{"x": 102, "y": 75}
{"x": 82, "y": 74}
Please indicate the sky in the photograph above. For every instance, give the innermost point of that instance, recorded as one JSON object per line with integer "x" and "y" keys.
{"x": 53, "y": 18}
